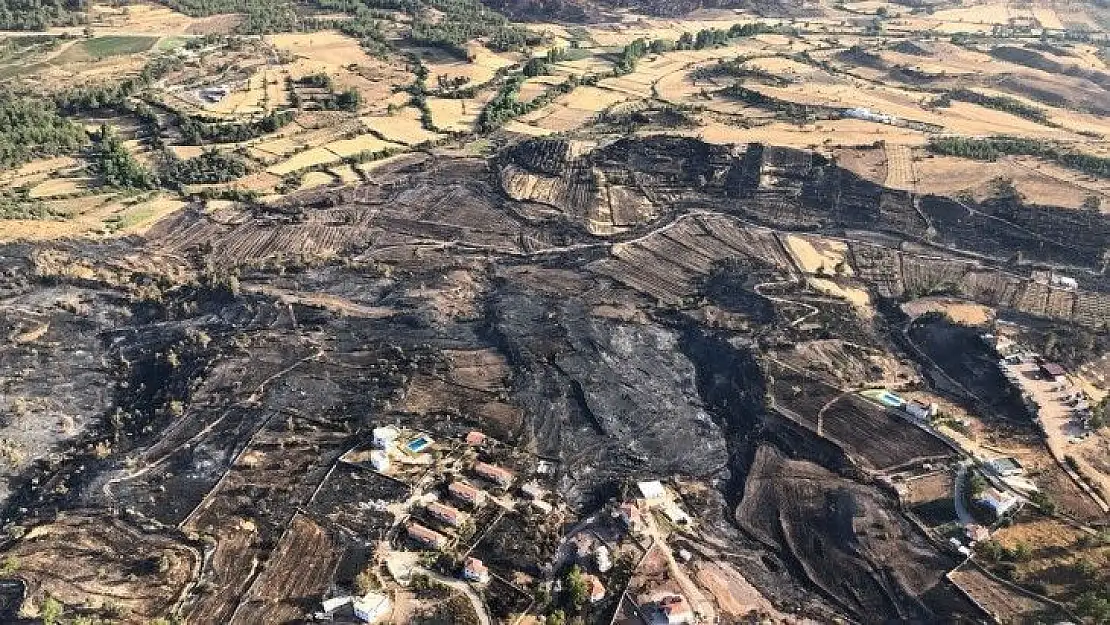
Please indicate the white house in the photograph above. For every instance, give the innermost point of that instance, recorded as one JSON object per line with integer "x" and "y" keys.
{"x": 386, "y": 436}
{"x": 604, "y": 563}
{"x": 475, "y": 571}
{"x": 371, "y": 607}
{"x": 379, "y": 459}
{"x": 920, "y": 410}
{"x": 1000, "y": 503}
{"x": 652, "y": 492}
{"x": 595, "y": 587}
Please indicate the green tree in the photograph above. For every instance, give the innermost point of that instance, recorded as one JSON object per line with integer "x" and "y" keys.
{"x": 51, "y": 611}
{"x": 577, "y": 590}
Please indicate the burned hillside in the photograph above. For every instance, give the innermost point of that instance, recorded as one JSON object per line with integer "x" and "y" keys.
{"x": 606, "y": 314}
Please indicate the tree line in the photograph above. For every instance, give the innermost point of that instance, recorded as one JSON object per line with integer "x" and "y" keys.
{"x": 31, "y": 128}
{"x": 992, "y": 148}
{"x": 705, "y": 38}
{"x": 999, "y": 103}
{"x": 40, "y": 14}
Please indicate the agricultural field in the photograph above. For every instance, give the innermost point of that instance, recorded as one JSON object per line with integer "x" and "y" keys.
{"x": 281, "y": 284}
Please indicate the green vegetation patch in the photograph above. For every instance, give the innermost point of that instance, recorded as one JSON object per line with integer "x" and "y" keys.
{"x": 104, "y": 47}
{"x": 39, "y": 14}
{"x": 1005, "y": 104}
{"x": 17, "y": 204}
{"x": 31, "y": 128}
{"x": 992, "y": 148}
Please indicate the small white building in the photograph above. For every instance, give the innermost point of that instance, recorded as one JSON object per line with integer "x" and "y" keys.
{"x": 371, "y": 607}
{"x": 601, "y": 556}
{"x": 595, "y": 588}
{"x": 385, "y": 437}
{"x": 379, "y": 459}
{"x": 475, "y": 570}
{"x": 920, "y": 410}
{"x": 1064, "y": 282}
{"x": 331, "y": 605}
{"x": 1006, "y": 467}
{"x": 999, "y": 502}
{"x": 652, "y": 492}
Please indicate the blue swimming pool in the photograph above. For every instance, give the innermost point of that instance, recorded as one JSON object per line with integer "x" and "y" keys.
{"x": 892, "y": 400}
{"x": 418, "y": 445}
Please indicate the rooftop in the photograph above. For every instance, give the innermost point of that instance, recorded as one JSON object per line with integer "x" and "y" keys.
{"x": 651, "y": 490}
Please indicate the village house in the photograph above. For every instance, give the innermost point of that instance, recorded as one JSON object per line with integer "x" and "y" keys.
{"x": 474, "y": 438}
{"x": 425, "y": 536}
{"x": 920, "y": 410}
{"x": 445, "y": 513}
{"x": 371, "y": 607}
{"x": 629, "y": 514}
{"x": 466, "y": 493}
{"x": 595, "y": 588}
{"x": 386, "y": 436}
{"x": 495, "y": 474}
{"x": 379, "y": 459}
{"x": 652, "y": 492}
{"x": 475, "y": 570}
{"x": 672, "y": 610}
{"x": 998, "y": 502}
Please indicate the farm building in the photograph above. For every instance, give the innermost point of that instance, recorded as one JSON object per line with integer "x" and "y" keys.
{"x": 385, "y": 437}
{"x": 595, "y": 587}
{"x": 629, "y": 514}
{"x": 671, "y": 610}
{"x": 1064, "y": 282}
{"x": 379, "y": 459}
{"x": 998, "y": 502}
{"x": 447, "y": 514}
{"x": 604, "y": 561}
{"x": 371, "y": 607}
{"x": 427, "y": 537}
{"x": 652, "y": 492}
{"x": 466, "y": 493}
{"x": 1006, "y": 467}
{"x": 1054, "y": 372}
{"x": 920, "y": 410}
{"x": 867, "y": 114}
{"x": 475, "y": 571}
{"x": 495, "y": 474}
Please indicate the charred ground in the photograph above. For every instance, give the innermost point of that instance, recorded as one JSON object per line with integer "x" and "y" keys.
{"x": 222, "y": 364}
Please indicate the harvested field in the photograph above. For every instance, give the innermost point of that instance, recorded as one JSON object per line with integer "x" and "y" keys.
{"x": 958, "y": 311}
{"x": 402, "y": 127}
{"x": 310, "y": 158}
{"x": 1059, "y": 555}
{"x": 819, "y": 254}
